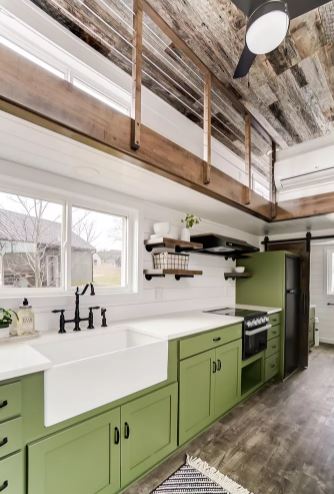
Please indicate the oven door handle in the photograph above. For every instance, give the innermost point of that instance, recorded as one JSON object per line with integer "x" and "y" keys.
{"x": 258, "y": 330}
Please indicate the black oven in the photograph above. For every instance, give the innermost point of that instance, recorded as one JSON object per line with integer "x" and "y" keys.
{"x": 254, "y": 341}
{"x": 254, "y": 328}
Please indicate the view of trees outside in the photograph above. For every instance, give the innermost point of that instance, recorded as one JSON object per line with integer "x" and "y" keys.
{"x": 105, "y": 235}
{"x": 30, "y": 242}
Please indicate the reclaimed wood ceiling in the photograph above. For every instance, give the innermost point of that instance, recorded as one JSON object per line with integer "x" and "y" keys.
{"x": 291, "y": 90}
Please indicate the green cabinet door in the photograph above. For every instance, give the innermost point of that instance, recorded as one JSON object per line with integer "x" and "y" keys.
{"x": 83, "y": 459}
{"x": 196, "y": 397}
{"x": 149, "y": 431}
{"x": 227, "y": 377}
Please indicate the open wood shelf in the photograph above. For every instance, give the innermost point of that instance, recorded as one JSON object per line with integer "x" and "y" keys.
{"x": 234, "y": 276}
{"x": 172, "y": 243}
{"x": 178, "y": 273}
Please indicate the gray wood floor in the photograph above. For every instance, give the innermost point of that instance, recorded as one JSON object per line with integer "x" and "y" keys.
{"x": 280, "y": 441}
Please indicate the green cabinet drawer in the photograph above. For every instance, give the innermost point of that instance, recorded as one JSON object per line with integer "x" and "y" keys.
{"x": 148, "y": 432}
{"x": 271, "y": 367}
{"x": 209, "y": 340}
{"x": 274, "y": 332}
{"x": 10, "y": 401}
{"x": 10, "y": 437}
{"x": 12, "y": 475}
{"x": 272, "y": 347}
{"x": 275, "y": 319}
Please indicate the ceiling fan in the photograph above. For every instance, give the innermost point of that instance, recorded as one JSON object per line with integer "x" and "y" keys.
{"x": 267, "y": 26}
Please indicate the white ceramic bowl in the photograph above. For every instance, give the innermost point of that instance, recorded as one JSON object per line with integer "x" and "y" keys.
{"x": 161, "y": 228}
{"x": 239, "y": 269}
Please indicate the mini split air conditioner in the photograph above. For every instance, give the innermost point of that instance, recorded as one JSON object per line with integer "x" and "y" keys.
{"x": 307, "y": 179}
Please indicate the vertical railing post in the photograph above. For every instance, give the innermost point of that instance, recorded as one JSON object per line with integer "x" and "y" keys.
{"x": 137, "y": 62}
{"x": 273, "y": 186}
{"x": 248, "y": 156}
{"x": 207, "y": 129}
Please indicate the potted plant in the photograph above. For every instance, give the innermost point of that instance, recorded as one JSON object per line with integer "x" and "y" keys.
{"x": 6, "y": 317}
{"x": 189, "y": 221}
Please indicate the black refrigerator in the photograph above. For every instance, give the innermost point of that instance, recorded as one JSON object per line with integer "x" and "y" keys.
{"x": 292, "y": 314}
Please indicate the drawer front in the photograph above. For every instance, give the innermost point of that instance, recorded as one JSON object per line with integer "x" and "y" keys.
{"x": 12, "y": 475}
{"x": 271, "y": 367}
{"x": 10, "y": 437}
{"x": 274, "y": 332}
{"x": 10, "y": 401}
{"x": 209, "y": 340}
{"x": 272, "y": 348}
{"x": 275, "y": 319}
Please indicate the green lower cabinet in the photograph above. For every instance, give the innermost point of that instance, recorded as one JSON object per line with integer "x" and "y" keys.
{"x": 209, "y": 386}
{"x": 149, "y": 432}
{"x": 196, "y": 398}
{"x": 12, "y": 475}
{"x": 83, "y": 459}
{"x": 227, "y": 379}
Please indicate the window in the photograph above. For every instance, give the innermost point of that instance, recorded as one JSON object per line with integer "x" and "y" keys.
{"x": 98, "y": 248}
{"x": 330, "y": 271}
{"x": 30, "y": 242}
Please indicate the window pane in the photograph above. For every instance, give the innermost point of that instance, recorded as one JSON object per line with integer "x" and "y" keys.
{"x": 30, "y": 242}
{"x": 98, "y": 248}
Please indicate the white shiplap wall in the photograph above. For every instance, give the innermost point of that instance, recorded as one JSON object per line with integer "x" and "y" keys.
{"x": 318, "y": 293}
{"x": 160, "y": 295}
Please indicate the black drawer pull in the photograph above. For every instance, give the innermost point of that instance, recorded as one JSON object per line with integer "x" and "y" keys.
{"x": 214, "y": 367}
{"x": 218, "y": 338}
{"x": 4, "y": 485}
{"x": 126, "y": 430}
{"x": 3, "y": 404}
{"x": 273, "y": 366}
{"x": 274, "y": 347}
{"x": 219, "y": 365}
{"x": 3, "y": 442}
{"x": 116, "y": 435}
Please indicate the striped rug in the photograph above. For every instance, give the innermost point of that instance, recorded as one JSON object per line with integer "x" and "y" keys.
{"x": 197, "y": 477}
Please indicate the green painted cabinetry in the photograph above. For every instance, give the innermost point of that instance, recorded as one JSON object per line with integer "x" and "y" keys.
{"x": 10, "y": 400}
{"x": 209, "y": 386}
{"x": 83, "y": 459}
{"x": 196, "y": 402}
{"x": 12, "y": 474}
{"x": 149, "y": 431}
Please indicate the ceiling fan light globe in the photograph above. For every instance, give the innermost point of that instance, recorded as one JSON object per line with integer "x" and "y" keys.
{"x": 266, "y": 32}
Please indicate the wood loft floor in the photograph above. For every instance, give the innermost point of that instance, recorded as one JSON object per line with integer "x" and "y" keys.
{"x": 280, "y": 441}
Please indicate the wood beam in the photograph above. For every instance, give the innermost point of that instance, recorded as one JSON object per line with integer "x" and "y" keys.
{"x": 273, "y": 185}
{"x": 305, "y": 207}
{"x": 137, "y": 62}
{"x": 207, "y": 130}
{"x": 25, "y": 90}
{"x": 248, "y": 156}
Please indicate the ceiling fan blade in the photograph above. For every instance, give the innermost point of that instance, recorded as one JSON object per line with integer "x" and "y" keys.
{"x": 246, "y": 60}
{"x": 244, "y": 5}
{"x": 297, "y": 8}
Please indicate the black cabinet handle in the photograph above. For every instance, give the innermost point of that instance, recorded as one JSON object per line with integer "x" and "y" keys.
{"x": 3, "y": 442}
{"x": 4, "y": 485}
{"x": 126, "y": 430}
{"x": 214, "y": 367}
{"x": 219, "y": 365}
{"x": 116, "y": 436}
{"x": 3, "y": 404}
{"x": 273, "y": 366}
{"x": 218, "y": 338}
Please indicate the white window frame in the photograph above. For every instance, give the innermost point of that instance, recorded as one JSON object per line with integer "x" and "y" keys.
{"x": 329, "y": 270}
{"x": 68, "y": 201}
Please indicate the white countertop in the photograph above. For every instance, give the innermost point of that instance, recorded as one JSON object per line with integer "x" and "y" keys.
{"x": 178, "y": 325}
{"x": 19, "y": 358}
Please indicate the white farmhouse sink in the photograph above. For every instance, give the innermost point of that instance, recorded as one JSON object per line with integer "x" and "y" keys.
{"x": 92, "y": 369}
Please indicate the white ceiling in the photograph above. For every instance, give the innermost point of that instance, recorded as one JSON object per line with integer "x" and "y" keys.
{"x": 34, "y": 146}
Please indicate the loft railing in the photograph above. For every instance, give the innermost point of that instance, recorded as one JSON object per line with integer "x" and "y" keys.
{"x": 254, "y": 156}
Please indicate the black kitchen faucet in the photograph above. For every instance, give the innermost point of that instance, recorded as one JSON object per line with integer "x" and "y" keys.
{"x": 77, "y": 319}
